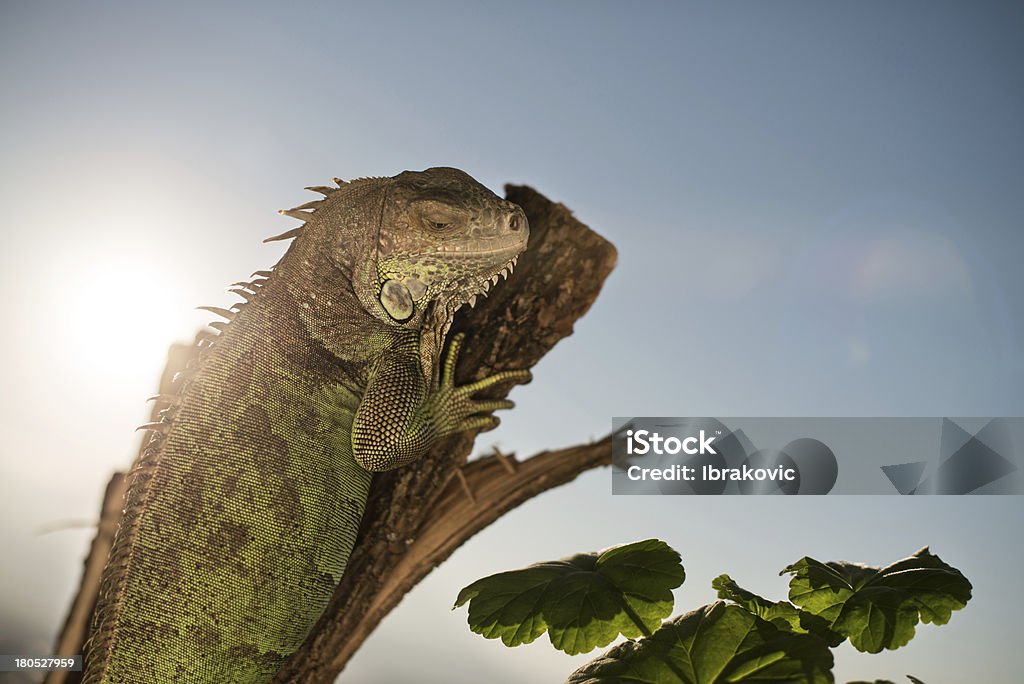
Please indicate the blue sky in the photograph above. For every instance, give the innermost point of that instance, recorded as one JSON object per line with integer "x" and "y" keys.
{"x": 817, "y": 208}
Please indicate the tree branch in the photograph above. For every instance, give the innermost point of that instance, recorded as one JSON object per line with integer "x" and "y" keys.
{"x": 455, "y": 517}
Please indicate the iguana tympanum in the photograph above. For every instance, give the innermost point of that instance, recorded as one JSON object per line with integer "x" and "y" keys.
{"x": 243, "y": 509}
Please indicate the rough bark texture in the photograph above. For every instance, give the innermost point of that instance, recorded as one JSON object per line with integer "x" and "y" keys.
{"x": 417, "y": 516}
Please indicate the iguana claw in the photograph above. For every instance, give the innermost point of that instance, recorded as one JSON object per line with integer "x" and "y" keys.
{"x": 458, "y": 408}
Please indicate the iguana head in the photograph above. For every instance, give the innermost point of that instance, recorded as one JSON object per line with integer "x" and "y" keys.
{"x": 444, "y": 240}
{"x": 413, "y": 249}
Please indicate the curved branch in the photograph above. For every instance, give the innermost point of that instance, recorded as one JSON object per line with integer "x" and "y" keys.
{"x": 490, "y": 491}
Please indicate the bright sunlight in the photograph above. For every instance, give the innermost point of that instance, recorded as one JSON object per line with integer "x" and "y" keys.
{"x": 121, "y": 317}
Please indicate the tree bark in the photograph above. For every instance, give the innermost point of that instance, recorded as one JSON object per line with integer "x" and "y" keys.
{"x": 417, "y": 516}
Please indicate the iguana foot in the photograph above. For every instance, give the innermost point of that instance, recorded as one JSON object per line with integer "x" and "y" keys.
{"x": 458, "y": 410}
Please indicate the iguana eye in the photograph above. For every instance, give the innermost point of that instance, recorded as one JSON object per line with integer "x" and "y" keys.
{"x": 437, "y": 217}
{"x": 439, "y": 222}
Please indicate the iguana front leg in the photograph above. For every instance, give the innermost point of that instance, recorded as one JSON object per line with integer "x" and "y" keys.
{"x": 399, "y": 418}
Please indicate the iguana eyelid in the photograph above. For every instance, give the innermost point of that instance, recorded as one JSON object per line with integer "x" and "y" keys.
{"x": 439, "y": 226}
{"x": 439, "y": 220}
{"x": 438, "y": 212}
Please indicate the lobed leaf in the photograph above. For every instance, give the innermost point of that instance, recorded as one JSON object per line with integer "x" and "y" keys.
{"x": 877, "y": 608}
{"x": 714, "y": 644}
{"x": 583, "y": 602}
{"x": 782, "y": 614}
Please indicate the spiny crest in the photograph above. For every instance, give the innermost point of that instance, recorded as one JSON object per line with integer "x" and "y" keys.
{"x": 300, "y": 212}
{"x": 205, "y": 340}
{"x": 166, "y": 398}
{"x": 248, "y": 290}
{"x": 223, "y": 313}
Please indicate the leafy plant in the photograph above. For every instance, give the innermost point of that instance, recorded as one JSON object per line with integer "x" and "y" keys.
{"x": 588, "y": 600}
{"x": 583, "y": 601}
{"x": 878, "y": 608}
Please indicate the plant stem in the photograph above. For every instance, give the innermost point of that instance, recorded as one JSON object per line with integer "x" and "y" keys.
{"x": 647, "y": 634}
{"x": 636, "y": 619}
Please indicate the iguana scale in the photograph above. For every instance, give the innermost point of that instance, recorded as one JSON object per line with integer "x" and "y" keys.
{"x": 243, "y": 509}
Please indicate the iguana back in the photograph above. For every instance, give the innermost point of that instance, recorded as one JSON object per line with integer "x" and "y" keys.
{"x": 243, "y": 510}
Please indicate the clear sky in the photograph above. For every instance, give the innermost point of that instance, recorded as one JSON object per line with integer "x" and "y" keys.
{"x": 818, "y": 209}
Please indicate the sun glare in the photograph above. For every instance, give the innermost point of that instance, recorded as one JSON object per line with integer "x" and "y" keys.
{"x": 121, "y": 318}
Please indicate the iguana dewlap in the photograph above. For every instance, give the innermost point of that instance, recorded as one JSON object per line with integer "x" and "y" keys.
{"x": 244, "y": 507}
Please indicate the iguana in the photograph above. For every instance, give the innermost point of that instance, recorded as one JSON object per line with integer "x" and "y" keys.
{"x": 244, "y": 507}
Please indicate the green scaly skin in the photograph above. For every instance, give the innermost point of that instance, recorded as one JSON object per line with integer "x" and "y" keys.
{"x": 243, "y": 510}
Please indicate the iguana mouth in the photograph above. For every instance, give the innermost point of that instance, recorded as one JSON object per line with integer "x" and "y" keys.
{"x": 481, "y": 286}
{"x": 401, "y": 296}
{"x": 483, "y": 249}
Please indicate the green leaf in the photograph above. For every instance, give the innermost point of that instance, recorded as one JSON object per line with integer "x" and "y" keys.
{"x": 584, "y": 601}
{"x": 713, "y": 644}
{"x": 782, "y": 614}
{"x": 877, "y": 608}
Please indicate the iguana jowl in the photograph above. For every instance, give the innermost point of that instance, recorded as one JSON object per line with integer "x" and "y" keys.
{"x": 244, "y": 507}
